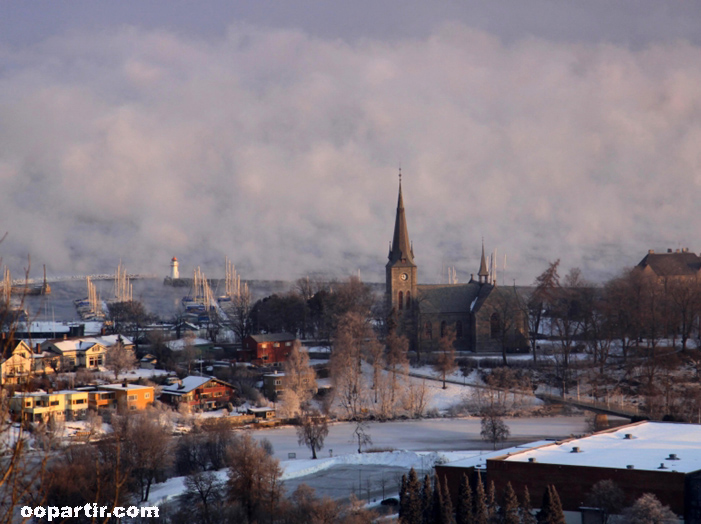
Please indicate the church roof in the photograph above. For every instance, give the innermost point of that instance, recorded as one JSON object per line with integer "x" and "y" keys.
{"x": 401, "y": 251}
{"x": 682, "y": 263}
{"x": 453, "y": 298}
{"x": 483, "y": 272}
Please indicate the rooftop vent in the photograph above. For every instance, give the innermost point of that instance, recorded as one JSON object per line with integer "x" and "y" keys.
{"x": 531, "y": 459}
{"x": 628, "y": 436}
{"x": 650, "y": 251}
{"x": 672, "y": 456}
{"x": 662, "y": 466}
{"x": 630, "y": 466}
{"x": 685, "y": 250}
{"x": 576, "y": 449}
{"x": 669, "y": 250}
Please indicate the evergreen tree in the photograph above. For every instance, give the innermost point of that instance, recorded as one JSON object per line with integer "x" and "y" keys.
{"x": 463, "y": 509}
{"x": 492, "y": 506}
{"x": 402, "y": 498}
{"x": 551, "y": 508}
{"x": 426, "y": 501}
{"x": 411, "y": 513}
{"x": 480, "y": 512}
{"x": 527, "y": 516}
{"x": 558, "y": 516}
{"x": 509, "y": 510}
{"x": 436, "y": 513}
{"x": 447, "y": 515}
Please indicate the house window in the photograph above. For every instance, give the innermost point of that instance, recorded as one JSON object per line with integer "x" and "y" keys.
{"x": 277, "y": 345}
{"x": 429, "y": 330}
{"x": 79, "y": 401}
{"x": 54, "y": 402}
{"x": 458, "y": 329}
{"x": 147, "y": 395}
{"x": 278, "y": 382}
{"x": 494, "y": 324}
{"x": 288, "y": 344}
{"x": 133, "y": 397}
{"x": 400, "y": 300}
{"x": 408, "y": 299}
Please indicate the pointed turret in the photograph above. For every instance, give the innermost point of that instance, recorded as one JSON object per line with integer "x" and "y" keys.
{"x": 483, "y": 273}
{"x": 401, "y": 248}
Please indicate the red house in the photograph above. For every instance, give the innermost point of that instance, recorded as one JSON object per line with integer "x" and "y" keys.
{"x": 268, "y": 349}
{"x": 199, "y": 392}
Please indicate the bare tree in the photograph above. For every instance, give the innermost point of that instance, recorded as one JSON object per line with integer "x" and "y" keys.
{"x": 494, "y": 429}
{"x": 538, "y": 302}
{"x": 300, "y": 377}
{"x": 353, "y": 335}
{"x": 648, "y": 510}
{"x": 312, "y": 431}
{"x": 254, "y": 479}
{"x": 118, "y": 358}
{"x": 361, "y": 435}
{"x": 444, "y": 362}
{"x": 397, "y": 361}
{"x": 239, "y": 313}
{"x": 608, "y": 497}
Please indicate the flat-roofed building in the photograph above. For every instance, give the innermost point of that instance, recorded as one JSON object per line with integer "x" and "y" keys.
{"x": 662, "y": 458}
{"x": 133, "y": 397}
{"x": 41, "y": 406}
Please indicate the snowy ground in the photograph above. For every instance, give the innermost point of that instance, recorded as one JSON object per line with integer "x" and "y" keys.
{"x": 411, "y": 443}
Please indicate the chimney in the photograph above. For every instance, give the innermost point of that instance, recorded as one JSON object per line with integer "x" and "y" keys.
{"x": 630, "y": 466}
{"x": 628, "y": 436}
{"x": 650, "y": 251}
{"x": 576, "y": 449}
{"x": 531, "y": 459}
{"x": 38, "y": 348}
{"x": 65, "y": 336}
{"x": 669, "y": 250}
{"x": 678, "y": 250}
{"x": 124, "y": 383}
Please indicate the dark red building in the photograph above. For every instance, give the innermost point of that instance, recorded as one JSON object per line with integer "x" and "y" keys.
{"x": 204, "y": 393}
{"x": 272, "y": 349}
{"x": 647, "y": 457}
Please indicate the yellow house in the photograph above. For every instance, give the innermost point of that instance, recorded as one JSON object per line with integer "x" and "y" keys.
{"x": 131, "y": 396}
{"x": 17, "y": 368}
{"x": 39, "y": 407}
{"x": 83, "y": 352}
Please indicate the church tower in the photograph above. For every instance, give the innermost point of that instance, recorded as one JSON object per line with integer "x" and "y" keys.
{"x": 401, "y": 269}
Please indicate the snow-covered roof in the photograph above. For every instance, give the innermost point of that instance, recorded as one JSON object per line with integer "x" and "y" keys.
{"x": 188, "y": 384}
{"x": 113, "y": 387}
{"x": 84, "y": 343}
{"x": 179, "y": 344}
{"x": 479, "y": 458}
{"x": 644, "y": 445}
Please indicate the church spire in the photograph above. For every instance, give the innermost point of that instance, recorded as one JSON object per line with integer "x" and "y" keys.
{"x": 401, "y": 250}
{"x": 483, "y": 272}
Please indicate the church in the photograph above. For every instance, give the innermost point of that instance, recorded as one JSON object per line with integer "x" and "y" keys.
{"x": 483, "y": 316}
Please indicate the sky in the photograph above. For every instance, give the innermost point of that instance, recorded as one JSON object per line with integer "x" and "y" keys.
{"x": 272, "y": 133}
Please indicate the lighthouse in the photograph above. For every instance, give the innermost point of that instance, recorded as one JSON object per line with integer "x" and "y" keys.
{"x": 174, "y": 274}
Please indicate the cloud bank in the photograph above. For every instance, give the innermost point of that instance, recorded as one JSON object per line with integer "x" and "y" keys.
{"x": 280, "y": 150}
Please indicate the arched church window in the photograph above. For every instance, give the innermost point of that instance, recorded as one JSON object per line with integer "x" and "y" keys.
{"x": 443, "y": 326}
{"x": 400, "y": 300}
{"x": 429, "y": 330}
{"x": 408, "y": 299}
{"x": 494, "y": 323}
{"x": 458, "y": 329}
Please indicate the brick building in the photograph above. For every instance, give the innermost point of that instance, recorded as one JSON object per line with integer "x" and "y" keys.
{"x": 661, "y": 458}
{"x": 272, "y": 349}
{"x": 483, "y": 316}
